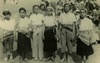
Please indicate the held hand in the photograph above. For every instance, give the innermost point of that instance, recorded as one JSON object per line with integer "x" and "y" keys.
{"x": 43, "y": 37}
{"x": 15, "y": 39}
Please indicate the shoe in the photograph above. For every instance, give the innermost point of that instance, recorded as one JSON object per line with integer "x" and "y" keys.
{"x": 40, "y": 59}
{"x": 35, "y": 58}
{"x": 26, "y": 60}
{"x": 20, "y": 60}
{"x": 47, "y": 59}
{"x": 63, "y": 59}
{"x": 52, "y": 59}
{"x": 5, "y": 58}
{"x": 11, "y": 57}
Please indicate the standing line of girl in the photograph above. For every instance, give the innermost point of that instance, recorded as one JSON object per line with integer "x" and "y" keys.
{"x": 40, "y": 31}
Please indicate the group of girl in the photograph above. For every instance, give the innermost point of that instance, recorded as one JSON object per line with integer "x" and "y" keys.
{"x": 46, "y": 26}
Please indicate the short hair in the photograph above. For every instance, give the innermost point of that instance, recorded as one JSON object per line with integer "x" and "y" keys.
{"x": 51, "y": 8}
{"x": 83, "y": 9}
{"x": 43, "y": 5}
{"x": 67, "y": 4}
{"x": 22, "y": 8}
{"x": 6, "y": 12}
{"x": 36, "y": 6}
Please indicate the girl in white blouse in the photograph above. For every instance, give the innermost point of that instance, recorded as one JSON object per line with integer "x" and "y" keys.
{"x": 37, "y": 25}
{"x": 23, "y": 28}
{"x": 84, "y": 48}
{"x": 8, "y": 26}
{"x": 50, "y": 42}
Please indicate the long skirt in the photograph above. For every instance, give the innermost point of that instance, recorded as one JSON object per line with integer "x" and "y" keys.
{"x": 83, "y": 49}
{"x": 24, "y": 44}
{"x": 50, "y": 42}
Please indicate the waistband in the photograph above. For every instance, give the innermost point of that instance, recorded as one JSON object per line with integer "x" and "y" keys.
{"x": 51, "y": 27}
{"x": 68, "y": 27}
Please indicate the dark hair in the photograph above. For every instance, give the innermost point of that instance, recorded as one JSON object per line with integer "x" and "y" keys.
{"x": 22, "y": 8}
{"x": 6, "y": 13}
{"x": 84, "y": 10}
{"x": 43, "y": 5}
{"x": 35, "y": 6}
{"x": 67, "y": 4}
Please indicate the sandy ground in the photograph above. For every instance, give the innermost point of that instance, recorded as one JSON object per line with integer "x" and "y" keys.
{"x": 57, "y": 59}
{"x": 95, "y": 58}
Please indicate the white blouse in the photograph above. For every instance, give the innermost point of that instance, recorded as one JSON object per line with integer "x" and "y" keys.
{"x": 36, "y": 19}
{"x": 68, "y": 18}
{"x": 8, "y": 25}
{"x": 49, "y": 21}
{"x": 24, "y": 23}
{"x": 85, "y": 24}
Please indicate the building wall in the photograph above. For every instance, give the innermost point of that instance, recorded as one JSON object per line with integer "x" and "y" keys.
{"x": 21, "y": 3}
{"x": 14, "y": 8}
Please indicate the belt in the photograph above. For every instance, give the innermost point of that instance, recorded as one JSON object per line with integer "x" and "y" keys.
{"x": 38, "y": 25}
{"x": 7, "y": 33}
{"x": 68, "y": 27}
{"x": 49, "y": 27}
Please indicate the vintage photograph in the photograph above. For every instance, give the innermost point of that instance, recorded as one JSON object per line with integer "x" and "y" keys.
{"x": 49, "y": 31}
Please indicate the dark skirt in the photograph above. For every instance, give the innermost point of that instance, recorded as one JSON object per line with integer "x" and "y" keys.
{"x": 83, "y": 49}
{"x": 24, "y": 44}
{"x": 50, "y": 42}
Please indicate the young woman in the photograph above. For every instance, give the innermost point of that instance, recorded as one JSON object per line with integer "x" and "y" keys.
{"x": 43, "y": 8}
{"x": 50, "y": 42}
{"x": 67, "y": 30}
{"x": 24, "y": 44}
{"x": 8, "y": 27}
{"x": 84, "y": 48}
{"x": 37, "y": 25}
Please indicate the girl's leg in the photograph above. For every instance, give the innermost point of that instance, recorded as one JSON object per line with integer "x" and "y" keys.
{"x": 6, "y": 51}
{"x": 20, "y": 58}
{"x": 40, "y": 46}
{"x": 48, "y": 57}
{"x": 84, "y": 59}
{"x": 53, "y": 56}
{"x": 63, "y": 47}
{"x": 11, "y": 47}
{"x": 87, "y": 58}
{"x": 35, "y": 47}
{"x": 26, "y": 59}
{"x": 63, "y": 57}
